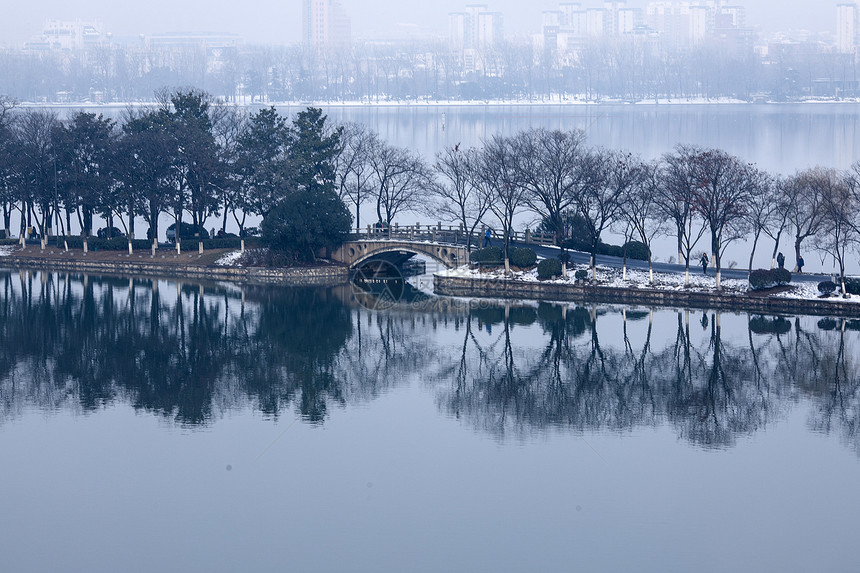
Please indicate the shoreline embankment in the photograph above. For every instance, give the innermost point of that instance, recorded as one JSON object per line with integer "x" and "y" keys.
{"x": 763, "y": 303}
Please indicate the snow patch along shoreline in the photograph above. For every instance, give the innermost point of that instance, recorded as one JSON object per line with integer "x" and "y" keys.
{"x": 612, "y": 277}
{"x": 230, "y": 259}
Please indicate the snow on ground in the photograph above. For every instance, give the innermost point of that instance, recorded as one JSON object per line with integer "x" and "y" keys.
{"x": 613, "y": 277}
{"x": 6, "y": 251}
{"x": 229, "y": 259}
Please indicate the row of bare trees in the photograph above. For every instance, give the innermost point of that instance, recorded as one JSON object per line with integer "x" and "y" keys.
{"x": 690, "y": 194}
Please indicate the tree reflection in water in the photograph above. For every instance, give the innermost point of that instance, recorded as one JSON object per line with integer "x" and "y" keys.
{"x": 192, "y": 352}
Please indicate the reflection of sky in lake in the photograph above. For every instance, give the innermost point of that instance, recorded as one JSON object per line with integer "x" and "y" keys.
{"x": 222, "y": 428}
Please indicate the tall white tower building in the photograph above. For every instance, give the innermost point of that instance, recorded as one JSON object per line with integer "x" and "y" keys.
{"x": 846, "y": 27}
{"x": 325, "y": 25}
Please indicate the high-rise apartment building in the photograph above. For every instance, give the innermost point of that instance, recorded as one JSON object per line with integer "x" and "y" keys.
{"x": 847, "y": 27}
{"x": 325, "y": 26}
{"x": 690, "y": 22}
{"x": 68, "y": 35}
{"x": 474, "y": 32}
{"x": 476, "y": 28}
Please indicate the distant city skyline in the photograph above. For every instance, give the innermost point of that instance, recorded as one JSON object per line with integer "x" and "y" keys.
{"x": 265, "y": 22}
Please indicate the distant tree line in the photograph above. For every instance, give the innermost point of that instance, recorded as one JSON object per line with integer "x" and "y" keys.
{"x": 191, "y": 156}
{"x": 625, "y": 69}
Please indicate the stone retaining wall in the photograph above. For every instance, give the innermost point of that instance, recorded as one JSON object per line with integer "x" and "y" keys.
{"x": 320, "y": 276}
{"x": 460, "y": 286}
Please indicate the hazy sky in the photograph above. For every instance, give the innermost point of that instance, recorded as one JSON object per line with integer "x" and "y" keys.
{"x": 268, "y": 21}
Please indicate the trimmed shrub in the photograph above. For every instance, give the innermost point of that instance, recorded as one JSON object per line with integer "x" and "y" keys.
{"x": 761, "y": 279}
{"x": 826, "y": 287}
{"x": 764, "y": 278}
{"x": 852, "y": 285}
{"x": 581, "y": 275}
{"x": 523, "y": 257}
{"x": 611, "y": 250}
{"x": 781, "y": 276}
{"x": 637, "y": 250}
{"x": 8, "y": 242}
{"x": 487, "y": 256}
{"x": 549, "y": 268}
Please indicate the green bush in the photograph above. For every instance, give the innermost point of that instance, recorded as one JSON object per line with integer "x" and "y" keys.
{"x": 826, "y": 287}
{"x": 487, "y": 256}
{"x": 523, "y": 257}
{"x": 781, "y": 276}
{"x": 306, "y": 221}
{"x": 581, "y": 275}
{"x": 761, "y": 279}
{"x": 637, "y": 250}
{"x": 549, "y": 268}
{"x": 7, "y": 242}
{"x": 222, "y": 243}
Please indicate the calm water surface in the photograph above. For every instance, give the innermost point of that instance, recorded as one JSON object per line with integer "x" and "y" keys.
{"x": 177, "y": 426}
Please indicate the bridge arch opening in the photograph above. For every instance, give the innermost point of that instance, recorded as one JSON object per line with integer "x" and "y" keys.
{"x": 443, "y": 255}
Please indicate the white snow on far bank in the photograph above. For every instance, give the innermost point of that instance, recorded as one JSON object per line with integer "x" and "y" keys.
{"x": 229, "y": 259}
{"x": 636, "y": 279}
{"x": 6, "y": 251}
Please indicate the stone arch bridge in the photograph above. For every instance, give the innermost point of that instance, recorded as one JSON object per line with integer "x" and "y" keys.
{"x": 354, "y": 253}
{"x": 396, "y": 244}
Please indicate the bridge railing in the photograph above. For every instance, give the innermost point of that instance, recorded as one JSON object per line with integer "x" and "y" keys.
{"x": 450, "y": 234}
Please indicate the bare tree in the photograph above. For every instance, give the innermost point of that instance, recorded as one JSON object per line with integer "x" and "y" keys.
{"x": 400, "y": 179}
{"x": 457, "y": 190}
{"x": 839, "y": 232}
{"x": 806, "y": 215}
{"x": 763, "y": 209}
{"x": 676, "y": 196}
{"x": 9, "y": 198}
{"x": 641, "y": 209}
{"x": 600, "y": 202}
{"x": 34, "y": 130}
{"x": 724, "y": 186}
{"x": 352, "y": 165}
{"x": 556, "y": 169}
{"x": 498, "y": 176}
{"x": 782, "y": 206}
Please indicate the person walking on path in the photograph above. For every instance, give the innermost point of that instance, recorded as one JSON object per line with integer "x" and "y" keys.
{"x": 780, "y": 260}
{"x": 800, "y": 264}
{"x": 704, "y": 263}
{"x": 488, "y": 234}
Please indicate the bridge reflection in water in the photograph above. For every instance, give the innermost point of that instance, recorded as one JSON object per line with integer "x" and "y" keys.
{"x": 189, "y": 352}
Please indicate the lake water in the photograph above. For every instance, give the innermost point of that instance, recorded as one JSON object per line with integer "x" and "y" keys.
{"x": 156, "y": 425}
{"x": 781, "y": 138}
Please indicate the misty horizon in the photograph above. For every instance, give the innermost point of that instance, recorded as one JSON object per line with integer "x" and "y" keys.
{"x": 383, "y": 19}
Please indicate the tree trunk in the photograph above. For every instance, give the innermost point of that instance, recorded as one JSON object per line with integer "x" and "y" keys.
{"x": 752, "y": 254}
